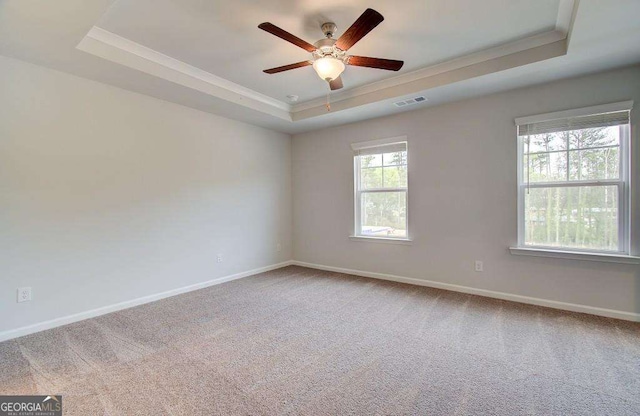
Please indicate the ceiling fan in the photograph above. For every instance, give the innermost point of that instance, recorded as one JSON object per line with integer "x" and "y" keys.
{"x": 329, "y": 56}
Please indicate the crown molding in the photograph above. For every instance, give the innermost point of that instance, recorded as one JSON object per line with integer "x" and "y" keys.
{"x": 110, "y": 46}
{"x": 532, "y": 49}
{"x": 469, "y": 60}
{"x": 424, "y": 84}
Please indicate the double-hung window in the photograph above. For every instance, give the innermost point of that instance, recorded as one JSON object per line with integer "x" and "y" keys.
{"x": 573, "y": 174}
{"x": 381, "y": 189}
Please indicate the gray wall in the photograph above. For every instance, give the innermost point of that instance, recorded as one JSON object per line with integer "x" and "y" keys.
{"x": 462, "y": 197}
{"x": 107, "y": 195}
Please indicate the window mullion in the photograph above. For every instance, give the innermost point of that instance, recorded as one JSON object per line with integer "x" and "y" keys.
{"x": 573, "y": 184}
{"x": 373, "y": 190}
{"x": 566, "y": 145}
{"x": 611, "y": 146}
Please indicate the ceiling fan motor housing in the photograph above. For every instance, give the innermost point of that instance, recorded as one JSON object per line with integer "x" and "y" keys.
{"x": 329, "y": 29}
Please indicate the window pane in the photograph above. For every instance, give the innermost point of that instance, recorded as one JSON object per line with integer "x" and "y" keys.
{"x": 395, "y": 158}
{"x": 602, "y": 136}
{"x": 395, "y": 177}
{"x": 384, "y": 214}
{"x": 371, "y": 178}
{"x": 370, "y": 160}
{"x": 594, "y": 164}
{"x": 547, "y": 142}
{"x": 584, "y": 217}
{"x": 545, "y": 167}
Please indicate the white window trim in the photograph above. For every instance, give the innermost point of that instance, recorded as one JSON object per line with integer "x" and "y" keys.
{"x": 623, "y": 255}
{"x": 578, "y": 112}
{"x": 384, "y": 240}
{"x": 574, "y": 255}
{"x": 379, "y": 142}
{"x": 357, "y": 233}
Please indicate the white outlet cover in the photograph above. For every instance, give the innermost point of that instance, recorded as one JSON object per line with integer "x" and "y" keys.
{"x": 24, "y": 294}
{"x": 479, "y": 266}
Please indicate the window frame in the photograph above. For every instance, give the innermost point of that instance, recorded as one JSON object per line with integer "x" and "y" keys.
{"x": 623, "y": 183}
{"x": 357, "y": 234}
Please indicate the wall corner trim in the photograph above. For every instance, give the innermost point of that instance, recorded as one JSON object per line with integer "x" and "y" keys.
{"x": 572, "y": 307}
{"x": 81, "y": 316}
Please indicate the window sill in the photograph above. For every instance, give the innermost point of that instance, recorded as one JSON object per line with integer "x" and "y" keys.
{"x": 383, "y": 240}
{"x": 575, "y": 255}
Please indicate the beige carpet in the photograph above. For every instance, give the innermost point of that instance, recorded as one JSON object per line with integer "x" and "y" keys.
{"x": 301, "y": 341}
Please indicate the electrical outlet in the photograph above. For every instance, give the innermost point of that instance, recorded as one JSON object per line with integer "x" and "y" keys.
{"x": 278, "y": 247}
{"x": 479, "y": 266}
{"x": 219, "y": 258}
{"x": 24, "y": 294}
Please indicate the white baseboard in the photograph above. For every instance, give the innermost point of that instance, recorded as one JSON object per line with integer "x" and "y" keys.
{"x": 53, "y": 323}
{"x": 573, "y": 307}
{"x": 26, "y": 330}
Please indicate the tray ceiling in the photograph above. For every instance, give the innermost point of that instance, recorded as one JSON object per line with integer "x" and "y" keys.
{"x": 209, "y": 54}
{"x": 222, "y": 38}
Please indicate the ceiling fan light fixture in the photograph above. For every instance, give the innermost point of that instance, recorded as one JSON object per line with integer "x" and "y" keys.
{"x": 329, "y": 56}
{"x": 328, "y": 68}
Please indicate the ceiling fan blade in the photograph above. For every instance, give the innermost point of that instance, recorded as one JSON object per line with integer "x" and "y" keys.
{"x": 379, "y": 63}
{"x": 365, "y": 24}
{"x": 283, "y": 34}
{"x": 287, "y": 67}
{"x": 336, "y": 84}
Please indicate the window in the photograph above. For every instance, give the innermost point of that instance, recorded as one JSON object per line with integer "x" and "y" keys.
{"x": 573, "y": 190}
{"x": 381, "y": 189}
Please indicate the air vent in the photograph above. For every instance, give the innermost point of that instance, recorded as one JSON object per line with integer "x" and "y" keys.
{"x": 410, "y": 101}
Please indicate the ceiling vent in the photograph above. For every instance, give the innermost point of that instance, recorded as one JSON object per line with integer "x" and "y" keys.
{"x": 410, "y": 101}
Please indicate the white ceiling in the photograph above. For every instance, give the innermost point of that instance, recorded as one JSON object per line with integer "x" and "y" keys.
{"x": 209, "y": 54}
